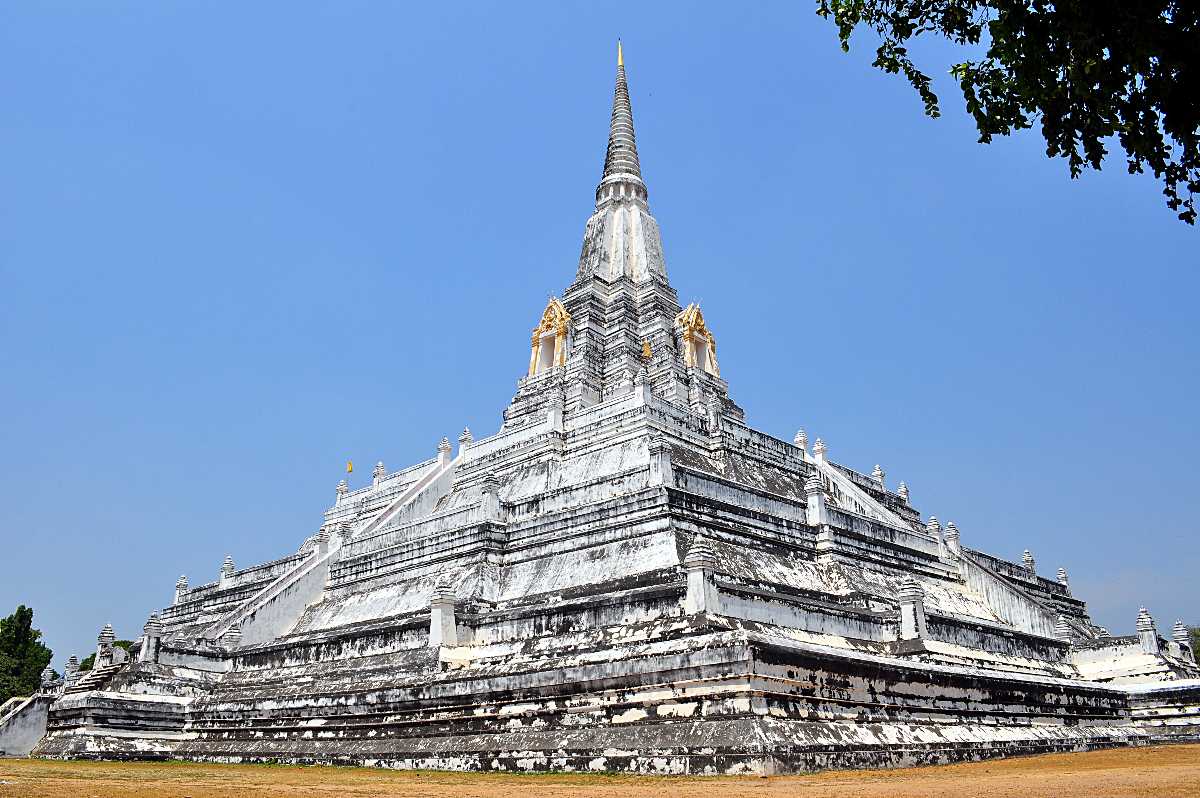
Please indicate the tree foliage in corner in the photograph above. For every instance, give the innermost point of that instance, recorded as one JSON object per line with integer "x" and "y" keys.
{"x": 1084, "y": 70}
{"x": 22, "y": 655}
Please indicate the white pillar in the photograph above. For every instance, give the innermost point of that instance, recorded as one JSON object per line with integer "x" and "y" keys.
{"x": 554, "y": 413}
{"x": 660, "y": 462}
{"x": 1183, "y": 641}
{"x": 820, "y": 450}
{"x": 934, "y": 528}
{"x": 377, "y": 474}
{"x": 180, "y": 589}
{"x": 443, "y": 630}
{"x": 1062, "y": 629}
{"x": 912, "y": 610}
{"x": 443, "y": 455}
{"x": 641, "y": 384}
{"x": 702, "y": 595}
{"x": 151, "y": 634}
{"x": 878, "y": 476}
{"x": 104, "y": 643}
{"x": 814, "y": 492}
{"x": 489, "y": 497}
{"x": 953, "y": 544}
{"x": 227, "y": 570}
{"x": 801, "y": 441}
{"x": 1147, "y": 632}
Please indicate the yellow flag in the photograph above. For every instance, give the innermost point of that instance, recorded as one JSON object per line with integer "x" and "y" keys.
{"x": 349, "y": 466}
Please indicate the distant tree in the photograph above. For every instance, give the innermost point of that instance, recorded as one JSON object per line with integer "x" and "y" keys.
{"x": 1084, "y": 70}
{"x": 1194, "y": 632}
{"x": 90, "y": 660}
{"x": 22, "y": 655}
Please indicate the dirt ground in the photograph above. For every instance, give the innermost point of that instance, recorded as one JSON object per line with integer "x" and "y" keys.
{"x": 1161, "y": 771}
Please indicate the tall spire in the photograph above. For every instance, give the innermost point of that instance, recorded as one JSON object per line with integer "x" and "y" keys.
{"x": 621, "y": 161}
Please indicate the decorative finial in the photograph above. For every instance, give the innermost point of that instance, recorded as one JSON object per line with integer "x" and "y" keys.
{"x": 1062, "y": 629}
{"x": 227, "y": 568}
{"x": 878, "y": 476}
{"x": 379, "y": 472}
{"x": 700, "y": 555}
{"x": 444, "y": 445}
{"x": 902, "y": 491}
{"x": 182, "y": 584}
{"x": 47, "y": 675}
{"x": 934, "y": 526}
{"x": 342, "y": 489}
{"x": 1027, "y": 558}
{"x": 801, "y": 439}
{"x": 1179, "y": 632}
{"x": 1062, "y": 577}
{"x": 819, "y": 449}
{"x": 106, "y": 634}
{"x": 620, "y": 55}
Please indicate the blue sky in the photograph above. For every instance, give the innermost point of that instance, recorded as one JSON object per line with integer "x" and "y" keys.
{"x": 240, "y": 244}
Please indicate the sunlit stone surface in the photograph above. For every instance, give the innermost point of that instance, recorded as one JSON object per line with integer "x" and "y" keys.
{"x": 625, "y": 576}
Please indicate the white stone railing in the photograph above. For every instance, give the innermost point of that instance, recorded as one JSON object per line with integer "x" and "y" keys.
{"x": 857, "y": 494}
{"x": 879, "y": 530}
{"x": 502, "y": 440}
{"x": 1009, "y": 602}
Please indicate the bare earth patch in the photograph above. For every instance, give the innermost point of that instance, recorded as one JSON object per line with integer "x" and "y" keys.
{"x": 1160, "y": 771}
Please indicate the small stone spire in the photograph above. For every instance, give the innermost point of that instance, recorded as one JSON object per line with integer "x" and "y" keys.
{"x": 1147, "y": 632}
{"x": 934, "y": 526}
{"x": 1062, "y": 629}
{"x": 642, "y": 376}
{"x": 378, "y": 473}
{"x": 153, "y": 627}
{"x": 952, "y": 538}
{"x": 700, "y": 555}
{"x": 465, "y": 439}
{"x": 801, "y": 439}
{"x": 232, "y": 638}
{"x": 227, "y": 568}
{"x": 1062, "y": 577}
{"x": 1180, "y": 634}
{"x": 106, "y": 635}
{"x": 902, "y": 491}
{"x": 814, "y": 493}
{"x": 878, "y": 475}
{"x": 1030, "y": 565}
{"x": 342, "y": 489}
{"x": 621, "y": 163}
{"x": 702, "y": 595}
{"x": 443, "y": 455}
{"x": 911, "y": 598}
{"x": 181, "y": 583}
{"x": 47, "y": 675}
{"x": 820, "y": 449}
{"x": 71, "y": 670}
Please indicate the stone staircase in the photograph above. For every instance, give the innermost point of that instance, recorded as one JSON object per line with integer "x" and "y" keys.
{"x": 96, "y": 678}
